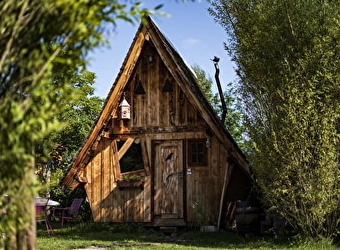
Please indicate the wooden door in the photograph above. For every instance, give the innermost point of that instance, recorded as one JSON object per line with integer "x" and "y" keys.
{"x": 168, "y": 169}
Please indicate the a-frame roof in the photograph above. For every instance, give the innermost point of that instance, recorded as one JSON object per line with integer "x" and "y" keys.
{"x": 187, "y": 81}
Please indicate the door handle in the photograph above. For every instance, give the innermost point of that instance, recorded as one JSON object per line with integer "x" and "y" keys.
{"x": 180, "y": 174}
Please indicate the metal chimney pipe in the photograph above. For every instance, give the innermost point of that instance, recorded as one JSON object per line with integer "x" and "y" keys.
{"x": 224, "y": 106}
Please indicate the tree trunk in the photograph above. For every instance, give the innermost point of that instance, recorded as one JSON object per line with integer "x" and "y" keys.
{"x": 24, "y": 239}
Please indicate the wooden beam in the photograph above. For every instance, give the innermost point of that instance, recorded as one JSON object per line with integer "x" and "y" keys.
{"x": 168, "y": 129}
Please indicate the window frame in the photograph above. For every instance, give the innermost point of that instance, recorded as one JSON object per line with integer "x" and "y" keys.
{"x": 139, "y": 171}
{"x": 190, "y": 153}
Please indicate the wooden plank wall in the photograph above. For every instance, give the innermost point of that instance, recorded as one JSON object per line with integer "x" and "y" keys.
{"x": 157, "y": 108}
{"x": 205, "y": 184}
{"x": 107, "y": 201}
{"x": 155, "y": 116}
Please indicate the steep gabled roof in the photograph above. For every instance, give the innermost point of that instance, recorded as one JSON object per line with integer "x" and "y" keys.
{"x": 184, "y": 76}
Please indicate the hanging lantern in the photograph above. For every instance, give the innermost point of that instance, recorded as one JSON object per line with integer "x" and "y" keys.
{"x": 124, "y": 110}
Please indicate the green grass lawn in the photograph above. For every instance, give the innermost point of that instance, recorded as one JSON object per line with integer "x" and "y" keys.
{"x": 133, "y": 237}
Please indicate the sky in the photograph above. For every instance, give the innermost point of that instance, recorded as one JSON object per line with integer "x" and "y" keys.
{"x": 191, "y": 30}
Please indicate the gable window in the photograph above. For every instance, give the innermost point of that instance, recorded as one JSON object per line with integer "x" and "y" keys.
{"x": 132, "y": 159}
{"x": 197, "y": 152}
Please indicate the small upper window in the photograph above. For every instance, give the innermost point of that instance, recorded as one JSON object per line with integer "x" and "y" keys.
{"x": 197, "y": 153}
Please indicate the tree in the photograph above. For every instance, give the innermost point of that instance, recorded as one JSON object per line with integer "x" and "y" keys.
{"x": 34, "y": 36}
{"x": 206, "y": 83}
{"x": 287, "y": 58}
{"x": 80, "y": 114}
{"x": 234, "y": 120}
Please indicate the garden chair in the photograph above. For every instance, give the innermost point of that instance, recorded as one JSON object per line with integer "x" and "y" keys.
{"x": 41, "y": 213}
{"x": 68, "y": 213}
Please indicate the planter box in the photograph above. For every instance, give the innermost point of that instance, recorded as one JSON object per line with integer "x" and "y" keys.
{"x": 130, "y": 184}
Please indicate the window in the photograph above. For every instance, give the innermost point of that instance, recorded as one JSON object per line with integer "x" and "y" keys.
{"x": 197, "y": 153}
{"x": 132, "y": 159}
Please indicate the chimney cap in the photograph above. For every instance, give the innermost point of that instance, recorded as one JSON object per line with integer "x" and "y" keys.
{"x": 216, "y": 59}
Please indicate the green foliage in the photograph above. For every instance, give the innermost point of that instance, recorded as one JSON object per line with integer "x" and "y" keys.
{"x": 287, "y": 57}
{"x": 201, "y": 217}
{"x": 40, "y": 38}
{"x": 205, "y": 82}
{"x": 80, "y": 113}
{"x": 131, "y": 177}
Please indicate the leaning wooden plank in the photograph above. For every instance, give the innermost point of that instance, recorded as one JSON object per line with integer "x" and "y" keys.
{"x": 145, "y": 157}
{"x": 228, "y": 171}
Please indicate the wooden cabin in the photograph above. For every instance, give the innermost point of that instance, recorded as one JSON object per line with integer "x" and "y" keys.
{"x": 158, "y": 154}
